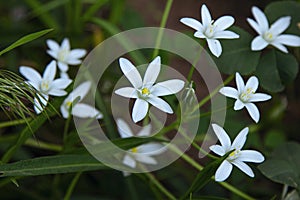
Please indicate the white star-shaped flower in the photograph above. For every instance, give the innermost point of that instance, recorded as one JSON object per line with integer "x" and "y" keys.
{"x": 64, "y": 55}
{"x": 273, "y": 35}
{"x": 142, "y": 153}
{"x": 245, "y": 95}
{"x": 238, "y": 157}
{"x": 46, "y": 85}
{"x": 211, "y": 30}
{"x": 78, "y": 109}
{"x": 145, "y": 91}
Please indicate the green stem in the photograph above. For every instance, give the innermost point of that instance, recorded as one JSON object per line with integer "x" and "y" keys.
{"x": 162, "y": 25}
{"x": 66, "y": 128}
{"x": 43, "y": 145}
{"x": 72, "y": 186}
{"x": 189, "y": 78}
{"x": 15, "y": 122}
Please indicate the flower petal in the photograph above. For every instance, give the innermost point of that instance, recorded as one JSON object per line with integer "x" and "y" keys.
{"x": 258, "y": 43}
{"x": 280, "y": 25}
{"x": 252, "y": 83}
{"x": 223, "y": 171}
{"x": 64, "y": 111}
{"x": 145, "y": 131}
{"x": 129, "y": 161}
{"x": 167, "y": 87}
{"x": 80, "y": 91}
{"x": 239, "y": 82}
{"x": 86, "y": 111}
{"x": 243, "y": 167}
{"x": 279, "y": 46}
{"x": 226, "y": 35}
{"x": 77, "y": 53}
{"x": 229, "y": 92}
{"x": 131, "y": 73}
{"x": 53, "y": 54}
{"x": 64, "y": 75}
{"x": 123, "y": 129}
{"x": 152, "y": 72}
{"x": 259, "y": 97}
{"x": 223, "y": 23}
{"x": 73, "y": 61}
{"x": 217, "y": 149}
{"x": 289, "y": 40}
{"x": 160, "y": 104}
{"x": 255, "y": 26}
{"x": 145, "y": 159}
{"x": 261, "y": 19}
{"x": 57, "y": 92}
{"x": 253, "y": 111}
{"x": 238, "y": 105}
{"x": 251, "y": 156}
{"x": 140, "y": 110}
{"x": 40, "y": 103}
{"x": 128, "y": 92}
{"x": 62, "y": 66}
{"x": 199, "y": 34}
{"x": 222, "y": 136}
{"x": 61, "y": 83}
{"x": 240, "y": 139}
{"x": 54, "y": 46}
{"x": 65, "y": 44}
{"x": 193, "y": 23}
{"x": 50, "y": 71}
{"x": 205, "y": 16}
{"x": 32, "y": 75}
{"x": 151, "y": 149}
{"x": 215, "y": 47}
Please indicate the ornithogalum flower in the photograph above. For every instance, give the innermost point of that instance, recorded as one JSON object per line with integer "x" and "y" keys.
{"x": 73, "y": 104}
{"x": 245, "y": 95}
{"x": 46, "y": 85}
{"x": 145, "y": 91}
{"x": 142, "y": 153}
{"x": 271, "y": 35}
{"x": 238, "y": 157}
{"x": 64, "y": 55}
{"x": 211, "y": 30}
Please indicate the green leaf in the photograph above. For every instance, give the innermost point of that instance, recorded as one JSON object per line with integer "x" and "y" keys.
{"x": 276, "y": 69}
{"x": 279, "y": 9}
{"x": 283, "y": 167}
{"x": 237, "y": 55}
{"x": 25, "y": 40}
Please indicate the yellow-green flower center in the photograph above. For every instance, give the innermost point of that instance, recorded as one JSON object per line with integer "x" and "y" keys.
{"x": 145, "y": 91}
{"x": 233, "y": 155}
{"x": 246, "y": 95}
{"x": 62, "y": 55}
{"x": 45, "y": 86}
{"x": 134, "y": 150}
{"x": 209, "y": 32}
{"x": 268, "y": 36}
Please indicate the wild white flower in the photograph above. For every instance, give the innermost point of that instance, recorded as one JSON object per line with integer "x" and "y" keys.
{"x": 142, "y": 153}
{"x": 46, "y": 85}
{"x": 245, "y": 95}
{"x": 211, "y": 30}
{"x": 144, "y": 91}
{"x": 273, "y": 35}
{"x": 64, "y": 55}
{"x": 238, "y": 157}
{"x": 78, "y": 109}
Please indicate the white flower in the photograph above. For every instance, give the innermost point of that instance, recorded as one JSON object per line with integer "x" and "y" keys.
{"x": 64, "y": 55}
{"x": 245, "y": 95}
{"x": 211, "y": 30}
{"x": 237, "y": 157}
{"x": 141, "y": 153}
{"x": 273, "y": 34}
{"x": 73, "y": 101}
{"x": 46, "y": 85}
{"x": 144, "y": 91}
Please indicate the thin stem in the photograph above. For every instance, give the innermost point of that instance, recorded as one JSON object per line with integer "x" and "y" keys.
{"x": 72, "y": 186}
{"x": 43, "y": 145}
{"x": 15, "y": 122}
{"x": 190, "y": 75}
{"x": 162, "y": 25}
{"x": 66, "y": 128}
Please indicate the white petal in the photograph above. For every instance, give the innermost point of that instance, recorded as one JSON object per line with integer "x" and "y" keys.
{"x": 217, "y": 149}
{"x": 50, "y": 71}
{"x": 255, "y": 26}
{"x": 52, "y": 53}
{"x": 32, "y": 75}
{"x": 64, "y": 75}
{"x": 145, "y": 131}
{"x": 62, "y": 66}
{"x": 240, "y": 139}
{"x": 53, "y": 45}
{"x": 86, "y": 111}
{"x": 193, "y": 23}
{"x": 57, "y": 92}
{"x": 151, "y": 149}
{"x": 73, "y": 61}
{"x": 252, "y": 83}
{"x": 222, "y": 136}
{"x": 251, "y": 156}
{"x": 128, "y": 92}
{"x": 131, "y": 73}
{"x": 239, "y": 82}
{"x": 215, "y": 47}
{"x": 140, "y": 110}
{"x": 258, "y": 43}
{"x": 238, "y": 105}
{"x": 261, "y": 19}
{"x": 259, "y": 97}
{"x": 152, "y": 72}
{"x": 223, "y": 23}
{"x": 226, "y": 35}
{"x": 65, "y": 44}
{"x": 127, "y": 160}
{"x": 123, "y": 129}
{"x": 77, "y": 53}
{"x": 229, "y": 92}
{"x": 40, "y": 104}
{"x": 289, "y": 40}
{"x": 199, "y": 34}
{"x": 223, "y": 171}
{"x": 167, "y": 87}
{"x": 280, "y": 25}
{"x": 64, "y": 111}
{"x": 80, "y": 91}
{"x": 61, "y": 83}
{"x": 253, "y": 111}
{"x": 279, "y": 46}
{"x": 243, "y": 167}
{"x": 145, "y": 159}
{"x": 205, "y": 16}
{"x": 160, "y": 104}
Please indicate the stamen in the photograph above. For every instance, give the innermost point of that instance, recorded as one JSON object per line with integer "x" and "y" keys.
{"x": 134, "y": 150}
{"x": 145, "y": 91}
